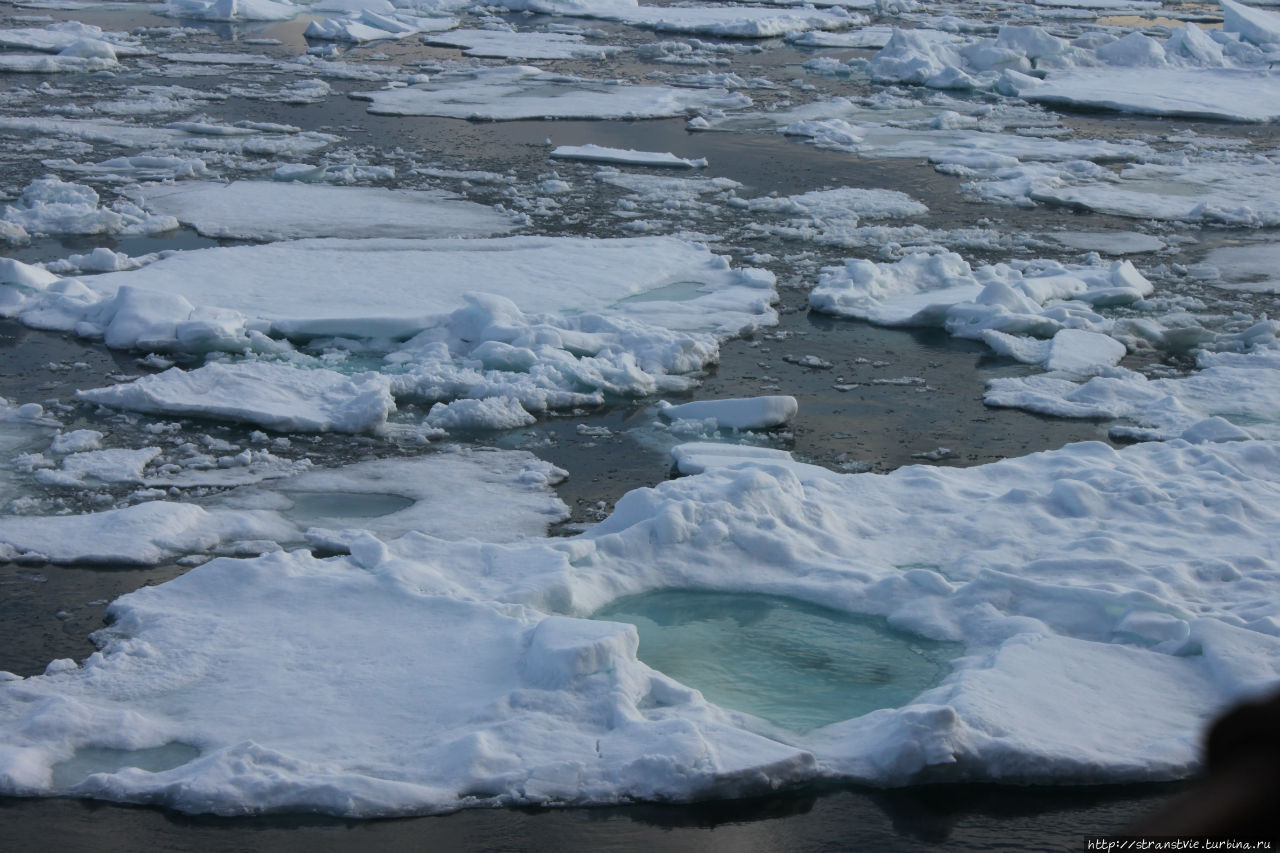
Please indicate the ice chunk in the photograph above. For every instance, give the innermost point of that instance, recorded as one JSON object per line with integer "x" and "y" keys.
{"x": 523, "y": 45}
{"x": 741, "y": 413}
{"x": 274, "y": 396}
{"x": 269, "y": 210}
{"x": 521, "y": 92}
{"x": 601, "y": 154}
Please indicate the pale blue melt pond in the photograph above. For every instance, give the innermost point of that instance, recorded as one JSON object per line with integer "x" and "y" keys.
{"x": 797, "y": 665}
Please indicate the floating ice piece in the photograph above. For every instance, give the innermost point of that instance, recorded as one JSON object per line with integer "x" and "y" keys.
{"x": 1068, "y": 351}
{"x": 231, "y": 10}
{"x": 699, "y": 456}
{"x": 740, "y": 413}
{"x": 1108, "y": 242}
{"x": 489, "y": 413}
{"x": 53, "y": 206}
{"x": 40, "y": 64}
{"x": 523, "y": 92}
{"x": 114, "y": 465}
{"x": 523, "y": 45}
{"x": 143, "y": 534}
{"x": 1021, "y": 560}
{"x": 271, "y": 210}
{"x": 1241, "y": 390}
{"x": 601, "y": 154}
{"x": 303, "y": 288}
{"x": 724, "y": 21}
{"x": 1230, "y": 94}
{"x": 1254, "y": 268}
{"x": 188, "y": 136}
{"x": 275, "y": 396}
{"x": 440, "y": 494}
{"x": 874, "y": 36}
{"x": 142, "y": 167}
{"x": 365, "y": 26}
{"x": 58, "y": 37}
{"x": 1223, "y": 190}
{"x": 992, "y": 303}
{"x": 845, "y": 204}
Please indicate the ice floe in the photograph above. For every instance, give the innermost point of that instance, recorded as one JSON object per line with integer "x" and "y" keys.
{"x": 602, "y": 154}
{"x": 267, "y": 210}
{"x": 523, "y": 92}
{"x": 439, "y": 493}
{"x": 274, "y": 396}
{"x": 1059, "y": 572}
{"x": 523, "y": 45}
{"x": 735, "y": 414}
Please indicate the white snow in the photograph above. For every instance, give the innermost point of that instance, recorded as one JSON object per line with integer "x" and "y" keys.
{"x": 271, "y": 210}
{"x": 629, "y": 156}
{"x": 1232, "y": 397}
{"x": 275, "y": 396}
{"x": 736, "y": 414}
{"x": 523, "y": 45}
{"x": 368, "y": 25}
{"x": 523, "y": 92}
{"x": 423, "y": 675}
{"x": 1230, "y": 94}
{"x": 1253, "y": 268}
{"x": 440, "y": 494}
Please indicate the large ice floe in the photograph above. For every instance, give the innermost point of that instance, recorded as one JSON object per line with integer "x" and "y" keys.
{"x": 423, "y": 675}
{"x": 327, "y": 508}
{"x": 549, "y": 322}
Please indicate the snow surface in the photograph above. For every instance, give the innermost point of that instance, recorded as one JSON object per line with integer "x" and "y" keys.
{"x": 739, "y": 413}
{"x": 1059, "y": 571}
{"x": 274, "y": 396}
{"x": 629, "y": 156}
{"x": 523, "y": 92}
{"x": 442, "y": 493}
{"x": 269, "y": 210}
{"x": 523, "y": 45}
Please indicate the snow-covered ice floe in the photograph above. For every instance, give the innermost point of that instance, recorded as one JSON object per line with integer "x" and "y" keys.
{"x": 524, "y": 92}
{"x": 439, "y": 494}
{"x": 723, "y": 21}
{"x": 423, "y": 675}
{"x": 628, "y": 156}
{"x": 272, "y": 210}
{"x": 368, "y": 25}
{"x": 501, "y": 44}
{"x": 550, "y": 322}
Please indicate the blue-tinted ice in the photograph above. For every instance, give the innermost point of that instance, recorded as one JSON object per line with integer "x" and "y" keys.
{"x": 795, "y": 664}
{"x": 95, "y": 759}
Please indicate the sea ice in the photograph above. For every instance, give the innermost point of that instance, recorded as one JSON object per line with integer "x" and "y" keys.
{"x": 1232, "y": 397}
{"x": 1080, "y": 607}
{"x": 523, "y": 92}
{"x": 601, "y": 154}
{"x": 52, "y": 206}
{"x": 366, "y": 25}
{"x": 275, "y": 396}
{"x": 523, "y": 45}
{"x": 740, "y": 413}
{"x": 1254, "y": 268}
{"x": 724, "y": 21}
{"x": 1038, "y": 299}
{"x": 272, "y": 210}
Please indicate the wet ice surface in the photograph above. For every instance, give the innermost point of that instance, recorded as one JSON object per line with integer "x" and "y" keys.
{"x": 297, "y": 406}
